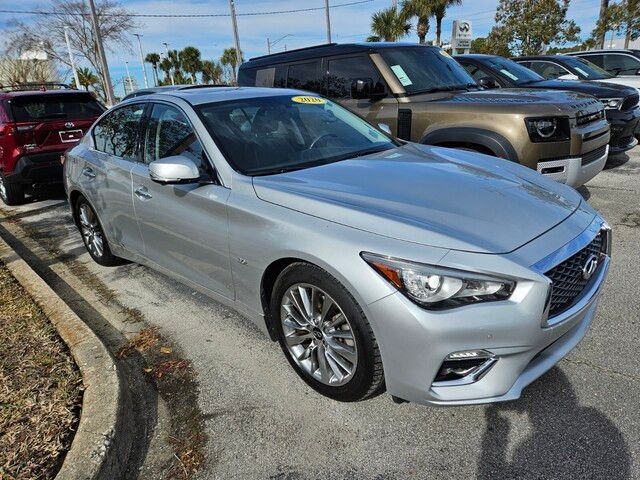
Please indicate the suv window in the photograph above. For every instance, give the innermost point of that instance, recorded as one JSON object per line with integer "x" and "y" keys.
{"x": 597, "y": 59}
{"x": 548, "y": 69}
{"x": 117, "y": 133}
{"x": 169, "y": 133}
{"x": 620, "y": 64}
{"x": 54, "y": 107}
{"x": 475, "y": 71}
{"x": 304, "y": 76}
{"x": 341, "y": 72}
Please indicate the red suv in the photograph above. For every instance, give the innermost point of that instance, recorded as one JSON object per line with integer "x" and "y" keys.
{"x": 36, "y": 127}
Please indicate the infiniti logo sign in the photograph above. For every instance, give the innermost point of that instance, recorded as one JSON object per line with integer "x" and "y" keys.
{"x": 589, "y": 267}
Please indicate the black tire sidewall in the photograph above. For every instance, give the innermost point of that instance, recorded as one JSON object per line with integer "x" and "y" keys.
{"x": 360, "y": 384}
{"x": 107, "y": 259}
{"x": 14, "y": 192}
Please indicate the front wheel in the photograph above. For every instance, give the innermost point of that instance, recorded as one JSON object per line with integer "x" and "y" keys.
{"x": 325, "y": 335}
{"x": 93, "y": 235}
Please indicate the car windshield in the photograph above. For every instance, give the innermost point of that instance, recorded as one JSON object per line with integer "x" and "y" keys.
{"x": 50, "y": 107}
{"x": 268, "y": 135}
{"x": 585, "y": 69}
{"x": 426, "y": 69}
{"x": 515, "y": 72}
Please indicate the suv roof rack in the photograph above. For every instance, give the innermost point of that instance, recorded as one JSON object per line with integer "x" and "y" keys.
{"x": 296, "y": 50}
{"x": 22, "y": 87}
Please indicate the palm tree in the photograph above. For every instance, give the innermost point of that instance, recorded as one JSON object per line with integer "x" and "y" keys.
{"x": 389, "y": 25}
{"x": 439, "y": 11}
{"x": 423, "y": 9}
{"x": 190, "y": 61}
{"x": 166, "y": 65}
{"x": 230, "y": 60}
{"x": 604, "y": 5}
{"x": 211, "y": 72}
{"x": 154, "y": 60}
{"x": 87, "y": 78}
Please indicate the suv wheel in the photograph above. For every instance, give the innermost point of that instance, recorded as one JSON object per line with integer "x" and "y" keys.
{"x": 11, "y": 193}
{"x": 93, "y": 235}
{"x": 325, "y": 335}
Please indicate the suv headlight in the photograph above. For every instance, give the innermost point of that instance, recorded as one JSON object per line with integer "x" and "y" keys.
{"x": 548, "y": 129}
{"x": 438, "y": 288}
{"x": 612, "y": 103}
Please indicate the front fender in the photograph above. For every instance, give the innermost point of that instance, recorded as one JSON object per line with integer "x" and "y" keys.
{"x": 496, "y": 143}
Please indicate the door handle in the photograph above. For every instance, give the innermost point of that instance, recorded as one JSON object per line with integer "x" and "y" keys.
{"x": 87, "y": 172}
{"x": 143, "y": 193}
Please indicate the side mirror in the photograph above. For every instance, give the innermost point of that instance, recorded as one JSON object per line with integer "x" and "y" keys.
{"x": 568, "y": 76}
{"x": 176, "y": 169}
{"x": 361, "y": 88}
{"x": 488, "y": 83}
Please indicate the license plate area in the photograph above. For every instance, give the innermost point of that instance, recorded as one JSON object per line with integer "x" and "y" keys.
{"x": 70, "y": 136}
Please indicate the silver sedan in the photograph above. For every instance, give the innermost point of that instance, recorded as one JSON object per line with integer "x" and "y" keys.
{"x": 446, "y": 277}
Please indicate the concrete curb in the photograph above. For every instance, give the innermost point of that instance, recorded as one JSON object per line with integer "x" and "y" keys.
{"x": 100, "y": 447}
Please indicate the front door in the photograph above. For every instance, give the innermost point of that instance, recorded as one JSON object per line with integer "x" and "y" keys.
{"x": 184, "y": 227}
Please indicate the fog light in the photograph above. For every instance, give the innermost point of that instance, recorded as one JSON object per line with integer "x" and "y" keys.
{"x": 464, "y": 367}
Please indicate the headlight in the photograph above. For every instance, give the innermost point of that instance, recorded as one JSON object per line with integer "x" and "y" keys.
{"x": 548, "y": 129}
{"x": 438, "y": 288}
{"x": 612, "y": 103}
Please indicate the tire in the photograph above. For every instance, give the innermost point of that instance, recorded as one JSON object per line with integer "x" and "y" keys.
{"x": 11, "y": 193}
{"x": 93, "y": 235}
{"x": 350, "y": 342}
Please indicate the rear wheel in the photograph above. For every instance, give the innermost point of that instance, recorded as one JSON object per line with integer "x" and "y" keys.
{"x": 93, "y": 235}
{"x": 325, "y": 335}
{"x": 11, "y": 193}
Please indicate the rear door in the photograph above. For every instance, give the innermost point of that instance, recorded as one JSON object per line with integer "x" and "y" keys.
{"x": 342, "y": 71}
{"x": 105, "y": 176}
{"x": 184, "y": 227}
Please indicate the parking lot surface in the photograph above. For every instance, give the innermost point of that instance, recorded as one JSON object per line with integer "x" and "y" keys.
{"x": 580, "y": 420}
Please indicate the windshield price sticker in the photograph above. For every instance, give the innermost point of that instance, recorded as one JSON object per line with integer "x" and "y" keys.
{"x": 402, "y": 76}
{"x": 508, "y": 74}
{"x": 309, "y": 100}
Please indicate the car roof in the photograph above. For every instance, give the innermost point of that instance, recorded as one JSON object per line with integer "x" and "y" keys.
{"x": 211, "y": 94}
{"x": 327, "y": 49}
{"x": 476, "y": 56}
{"x": 607, "y": 50}
{"x": 543, "y": 57}
{"x": 24, "y": 93}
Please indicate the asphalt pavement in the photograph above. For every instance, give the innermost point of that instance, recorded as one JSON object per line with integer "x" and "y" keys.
{"x": 580, "y": 420}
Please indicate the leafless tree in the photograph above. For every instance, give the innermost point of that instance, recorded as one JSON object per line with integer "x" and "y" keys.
{"x": 15, "y": 71}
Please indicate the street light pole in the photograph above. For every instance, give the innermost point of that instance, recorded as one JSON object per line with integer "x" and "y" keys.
{"x": 108, "y": 88}
{"x": 144, "y": 69}
{"x": 326, "y": 8}
{"x": 234, "y": 23}
{"x": 166, "y": 46}
{"x": 126, "y": 65}
{"x": 73, "y": 64}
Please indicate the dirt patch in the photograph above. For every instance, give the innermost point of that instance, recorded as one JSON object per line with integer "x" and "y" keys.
{"x": 631, "y": 220}
{"x": 40, "y": 388}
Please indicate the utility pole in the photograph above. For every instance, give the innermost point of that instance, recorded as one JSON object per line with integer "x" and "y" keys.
{"x": 271, "y": 44}
{"x": 144, "y": 69}
{"x": 326, "y": 8}
{"x": 106, "y": 78}
{"x": 126, "y": 64}
{"x": 166, "y": 46}
{"x": 234, "y": 22}
{"x": 73, "y": 64}
{"x": 268, "y": 46}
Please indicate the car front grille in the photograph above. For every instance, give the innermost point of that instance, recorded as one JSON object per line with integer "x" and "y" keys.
{"x": 594, "y": 155}
{"x": 630, "y": 102}
{"x": 590, "y": 118}
{"x": 567, "y": 279}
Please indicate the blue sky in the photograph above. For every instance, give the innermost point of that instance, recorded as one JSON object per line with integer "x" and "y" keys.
{"x": 212, "y": 35}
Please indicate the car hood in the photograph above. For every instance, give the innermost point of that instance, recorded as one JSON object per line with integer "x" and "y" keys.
{"x": 563, "y": 102}
{"x": 429, "y": 195}
{"x": 597, "y": 89}
{"x": 629, "y": 81}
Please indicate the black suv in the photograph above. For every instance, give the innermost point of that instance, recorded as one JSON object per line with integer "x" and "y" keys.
{"x": 620, "y": 102}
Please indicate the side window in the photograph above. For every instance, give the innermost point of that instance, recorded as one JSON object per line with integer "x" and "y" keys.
{"x": 117, "y": 133}
{"x": 247, "y": 77}
{"x": 476, "y": 72}
{"x": 597, "y": 59}
{"x": 621, "y": 64}
{"x": 341, "y": 72}
{"x": 304, "y": 76}
{"x": 169, "y": 133}
{"x": 265, "y": 77}
{"x": 548, "y": 70}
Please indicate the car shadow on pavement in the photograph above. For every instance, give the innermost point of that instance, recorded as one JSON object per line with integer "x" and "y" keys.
{"x": 566, "y": 440}
{"x": 616, "y": 161}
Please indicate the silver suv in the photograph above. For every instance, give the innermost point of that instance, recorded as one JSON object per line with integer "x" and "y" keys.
{"x": 448, "y": 277}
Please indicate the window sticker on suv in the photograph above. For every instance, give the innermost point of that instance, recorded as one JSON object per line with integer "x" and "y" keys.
{"x": 402, "y": 76}
{"x": 309, "y": 100}
{"x": 508, "y": 74}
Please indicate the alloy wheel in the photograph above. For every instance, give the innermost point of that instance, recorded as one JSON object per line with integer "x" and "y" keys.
{"x": 318, "y": 335}
{"x": 91, "y": 231}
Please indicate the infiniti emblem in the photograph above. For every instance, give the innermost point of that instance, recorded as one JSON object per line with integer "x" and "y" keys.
{"x": 69, "y": 124}
{"x": 589, "y": 267}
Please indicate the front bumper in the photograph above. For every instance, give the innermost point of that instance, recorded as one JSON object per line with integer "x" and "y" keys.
{"x": 575, "y": 171}
{"x": 414, "y": 342}
{"x": 624, "y": 126}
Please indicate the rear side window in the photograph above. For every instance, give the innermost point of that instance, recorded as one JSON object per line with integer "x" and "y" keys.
{"x": 597, "y": 59}
{"x": 305, "y": 76}
{"x": 343, "y": 71}
{"x": 621, "y": 64}
{"x": 117, "y": 133}
{"x": 54, "y": 107}
{"x": 548, "y": 70}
